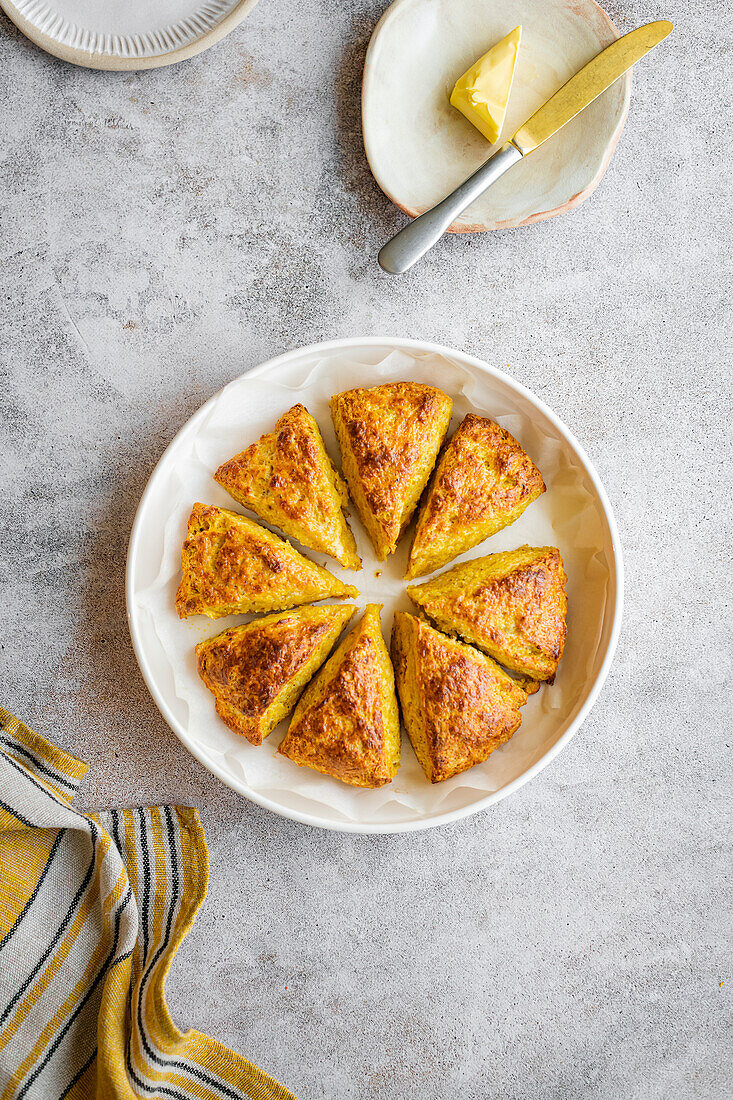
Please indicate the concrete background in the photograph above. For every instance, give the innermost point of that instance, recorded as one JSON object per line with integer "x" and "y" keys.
{"x": 164, "y": 231}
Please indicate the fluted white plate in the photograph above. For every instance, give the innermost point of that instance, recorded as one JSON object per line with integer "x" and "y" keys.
{"x": 573, "y": 514}
{"x": 125, "y": 34}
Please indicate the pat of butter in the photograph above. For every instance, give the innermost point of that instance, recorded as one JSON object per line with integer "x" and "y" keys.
{"x": 482, "y": 93}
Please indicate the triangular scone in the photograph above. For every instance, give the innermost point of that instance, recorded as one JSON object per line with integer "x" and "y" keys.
{"x": 232, "y": 566}
{"x": 257, "y": 671}
{"x": 347, "y": 723}
{"x": 511, "y": 605}
{"x": 288, "y": 480}
{"x": 389, "y": 437}
{"x": 483, "y": 481}
{"x": 457, "y": 704}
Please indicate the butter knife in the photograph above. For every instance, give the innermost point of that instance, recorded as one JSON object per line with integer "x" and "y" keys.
{"x": 412, "y": 242}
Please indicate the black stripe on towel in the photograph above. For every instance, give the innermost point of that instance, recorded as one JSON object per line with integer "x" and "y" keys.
{"x": 189, "y": 1068}
{"x": 54, "y": 848}
{"x": 56, "y": 776}
{"x": 59, "y": 932}
{"x": 122, "y": 904}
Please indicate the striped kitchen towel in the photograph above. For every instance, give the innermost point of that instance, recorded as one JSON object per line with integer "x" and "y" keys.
{"x": 92, "y": 910}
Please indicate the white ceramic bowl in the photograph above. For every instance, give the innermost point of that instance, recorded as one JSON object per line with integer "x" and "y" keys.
{"x": 420, "y": 148}
{"x": 574, "y": 514}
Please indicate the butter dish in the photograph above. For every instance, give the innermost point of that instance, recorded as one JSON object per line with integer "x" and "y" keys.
{"x": 420, "y": 148}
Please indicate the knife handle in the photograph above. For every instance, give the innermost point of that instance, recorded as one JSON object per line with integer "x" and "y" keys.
{"x": 412, "y": 242}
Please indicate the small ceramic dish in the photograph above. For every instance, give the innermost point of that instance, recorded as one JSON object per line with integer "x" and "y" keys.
{"x": 125, "y": 34}
{"x": 420, "y": 148}
{"x": 574, "y": 514}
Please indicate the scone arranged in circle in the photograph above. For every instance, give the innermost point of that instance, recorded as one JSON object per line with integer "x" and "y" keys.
{"x": 256, "y": 672}
{"x": 457, "y": 704}
{"x": 288, "y": 480}
{"x": 483, "y": 481}
{"x": 346, "y": 723}
{"x": 511, "y": 605}
{"x": 232, "y": 566}
{"x": 389, "y": 437}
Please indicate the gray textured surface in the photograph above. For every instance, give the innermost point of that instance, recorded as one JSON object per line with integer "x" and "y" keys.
{"x": 161, "y": 233}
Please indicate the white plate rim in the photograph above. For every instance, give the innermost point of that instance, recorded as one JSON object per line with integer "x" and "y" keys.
{"x": 616, "y": 576}
{"x": 510, "y": 223}
{"x": 113, "y": 63}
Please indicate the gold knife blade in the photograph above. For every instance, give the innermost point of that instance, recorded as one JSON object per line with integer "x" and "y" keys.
{"x": 588, "y": 83}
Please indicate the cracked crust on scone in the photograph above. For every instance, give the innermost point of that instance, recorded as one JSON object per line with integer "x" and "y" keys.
{"x": 389, "y": 437}
{"x": 256, "y": 672}
{"x": 231, "y": 566}
{"x": 288, "y": 480}
{"x": 457, "y": 704}
{"x": 483, "y": 481}
{"x": 511, "y": 605}
{"x": 346, "y": 724}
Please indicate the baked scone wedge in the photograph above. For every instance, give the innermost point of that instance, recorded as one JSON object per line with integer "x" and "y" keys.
{"x": 511, "y": 605}
{"x": 346, "y": 723}
{"x": 483, "y": 481}
{"x": 457, "y": 704}
{"x": 389, "y": 437}
{"x": 257, "y": 672}
{"x": 232, "y": 566}
{"x": 287, "y": 479}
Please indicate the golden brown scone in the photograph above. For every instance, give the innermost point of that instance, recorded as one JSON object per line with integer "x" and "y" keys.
{"x": 457, "y": 704}
{"x": 347, "y": 723}
{"x": 483, "y": 481}
{"x": 232, "y": 566}
{"x": 528, "y": 684}
{"x": 512, "y": 605}
{"x": 389, "y": 437}
{"x": 257, "y": 671}
{"x": 288, "y": 480}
